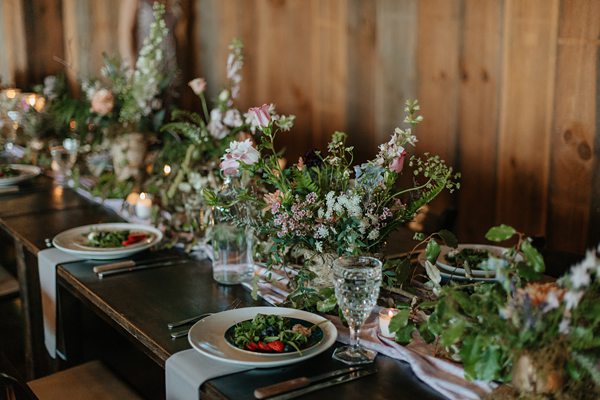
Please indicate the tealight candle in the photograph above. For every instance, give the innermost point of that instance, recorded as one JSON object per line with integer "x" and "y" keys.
{"x": 143, "y": 206}
{"x": 11, "y": 93}
{"x": 385, "y": 317}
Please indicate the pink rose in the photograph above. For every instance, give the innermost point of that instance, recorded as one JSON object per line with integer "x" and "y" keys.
{"x": 398, "y": 163}
{"x": 261, "y": 114}
{"x": 103, "y": 102}
{"x": 198, "y": 85}
{"x": 229, "y": 165}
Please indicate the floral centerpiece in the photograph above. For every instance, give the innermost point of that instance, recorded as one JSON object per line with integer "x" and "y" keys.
{"x": 189, "y": 160}
{"x": 541, "y": 337}
{"x": 323, "y": 206}
{"x": 126, "y": 103}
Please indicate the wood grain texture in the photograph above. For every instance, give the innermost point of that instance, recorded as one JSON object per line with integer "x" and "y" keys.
{"x": 13, "y": 63}
{"x": 574, "y": 128}
{"x": 507, "y": 87}
{"x": 530, "y": 29}
{"x": 44, "y": 37}
{"x": 438, "y": 49}
{"x": 480, "y": 74}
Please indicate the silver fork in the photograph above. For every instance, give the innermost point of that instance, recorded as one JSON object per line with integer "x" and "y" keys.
{"x": 181, "y": 333}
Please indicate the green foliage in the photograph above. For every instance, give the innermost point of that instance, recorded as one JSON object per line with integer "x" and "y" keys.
{"x": 500, "y": 233}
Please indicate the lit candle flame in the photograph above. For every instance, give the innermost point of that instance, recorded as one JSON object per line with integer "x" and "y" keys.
{"x": 142, "y": 196}
{"x": 11, "y": 93}
{"x": 31, "y": 99}
{"x": 167, "y": 169}
{"x": 72, "y": 125}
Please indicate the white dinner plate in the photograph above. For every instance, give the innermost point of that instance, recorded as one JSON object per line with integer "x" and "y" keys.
{"x": 208, "y": 337}
{"x": 26, "y": 172}
{"x": 445, "y": 265}
{"x": 73, "y": 241}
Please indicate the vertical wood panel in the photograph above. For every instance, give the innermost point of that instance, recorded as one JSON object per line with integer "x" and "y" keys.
{"x": 395, "y": 79}
{"x": 484, "y": 71}
{"x": 361, "y": 87}
{"x": 13, "y": 63}
{"x": 572, "y": 165}
{"x": 44, "y": 38}
{"x": 329, "y": 69}
{"x": 530, "y": 29}
{"x": 286, "y": 27}
{"x": 478, "y": 116}
{"x": 438, "y": 87}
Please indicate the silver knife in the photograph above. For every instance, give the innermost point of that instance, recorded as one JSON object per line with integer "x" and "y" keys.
{"x": 140, "y": 267}
{"x": 129, "y": 263}
{"x": 335, "y": 378}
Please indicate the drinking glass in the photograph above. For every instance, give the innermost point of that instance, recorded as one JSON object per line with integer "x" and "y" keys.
{"x": 63, "y": 159}
{"x": 357, "y": 280}
{"x": 232, "y": 253}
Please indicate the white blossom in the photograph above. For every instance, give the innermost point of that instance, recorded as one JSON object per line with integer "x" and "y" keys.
{"x": 572, "y": 299}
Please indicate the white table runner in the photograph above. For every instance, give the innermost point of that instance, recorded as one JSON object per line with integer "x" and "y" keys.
{"x": 48, "y": 259}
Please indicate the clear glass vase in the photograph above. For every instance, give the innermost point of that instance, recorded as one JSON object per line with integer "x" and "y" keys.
{"x": 232, "y": 240}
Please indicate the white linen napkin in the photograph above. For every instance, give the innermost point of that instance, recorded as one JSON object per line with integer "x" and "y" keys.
{"x": 48, "y": 259}
{"x": 187, "y": 370}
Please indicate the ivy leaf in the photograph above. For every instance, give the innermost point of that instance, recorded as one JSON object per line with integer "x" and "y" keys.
{"x": 449, "y": 238}
{"x": 453, "y": 333}
{"x": 404, "y": 335}
{"x": 326, "y": 305}
{"x": 399, "y": 320}
{"x": 500, "y": 233}
{"x": 432, "y": 251}
{"x": 533, "y": 256}
{"x": 489, "y": 365}
{"x": 433, "y": 273}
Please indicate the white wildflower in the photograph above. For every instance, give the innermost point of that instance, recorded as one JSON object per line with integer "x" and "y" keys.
{"x": 564, "y": 326}
{"x": 551, "y": 302}
{"x": 374, "y": 234}
{"x": 580, "y": 276}
{"x": 572, "y": 299}
{"x": 233, "y": 118}
{"x": 319, "y": 246}
{"x": 185, "y": 187}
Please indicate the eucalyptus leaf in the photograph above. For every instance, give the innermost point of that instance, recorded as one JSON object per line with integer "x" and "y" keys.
{"x": 432, "y": 251}
{"x": 500, "y": 233}
{"x": 533, "y": 256}
{"x": 432, "y": 273}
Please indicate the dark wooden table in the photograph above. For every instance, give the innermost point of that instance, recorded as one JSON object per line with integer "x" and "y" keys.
{"x": 40, "y": 210}
{"x": 137, "y": 306}
{"x": 141, "y": 304}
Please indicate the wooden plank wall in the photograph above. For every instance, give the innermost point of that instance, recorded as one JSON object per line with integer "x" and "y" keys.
{"x": 508, "y": 87}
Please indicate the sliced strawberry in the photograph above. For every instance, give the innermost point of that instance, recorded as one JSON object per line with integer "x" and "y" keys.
{"x": 251, "y": 346}
{"x": 277, "y": 346}
{"x": 263, "y": 346}
{"x": 127, "y": 242}
{"x": 137, "y": 236}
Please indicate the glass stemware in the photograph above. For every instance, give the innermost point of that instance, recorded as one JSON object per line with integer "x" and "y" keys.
{"x": 357, "y": 280}
{"x": 63, "y": 159}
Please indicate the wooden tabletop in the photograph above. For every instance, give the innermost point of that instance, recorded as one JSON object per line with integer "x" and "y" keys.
{"x": 139, "y": 305}
{"x": 142, "y": 303}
